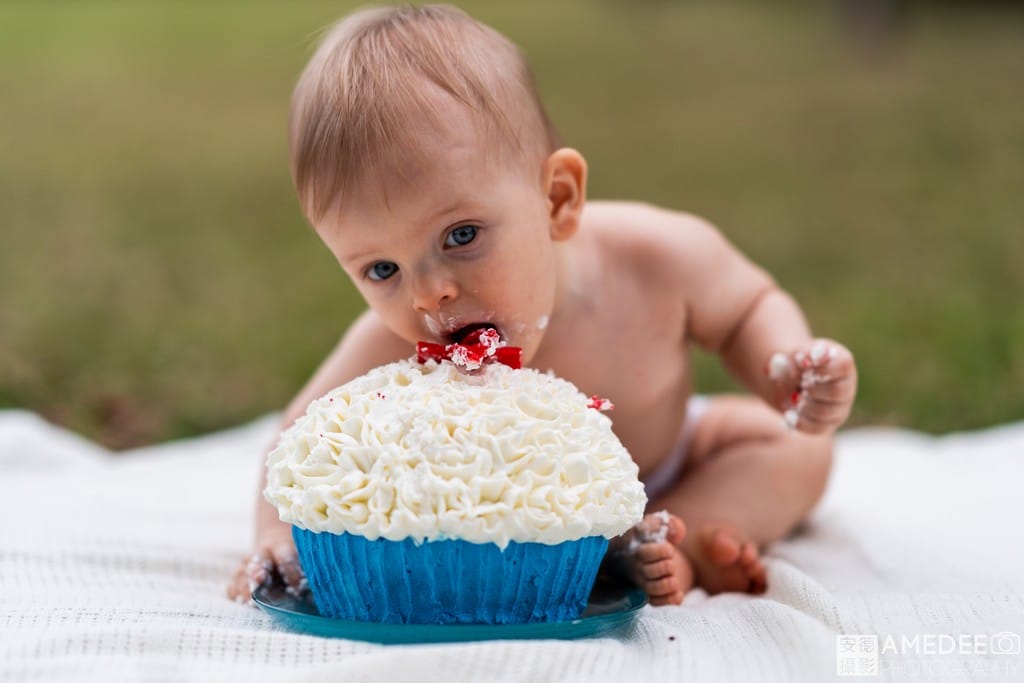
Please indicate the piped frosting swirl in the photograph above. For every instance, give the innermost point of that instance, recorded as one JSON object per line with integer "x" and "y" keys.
{"x": 427, "y": 452}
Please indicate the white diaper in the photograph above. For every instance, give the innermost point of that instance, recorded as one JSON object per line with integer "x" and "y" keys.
{"x": 667, "y": 473}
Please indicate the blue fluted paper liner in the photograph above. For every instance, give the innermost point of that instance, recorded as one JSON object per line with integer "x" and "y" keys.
{"x": 449, "y": 581}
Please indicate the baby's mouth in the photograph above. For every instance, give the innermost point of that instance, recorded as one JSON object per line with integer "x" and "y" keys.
{"x": 456, "y": 336}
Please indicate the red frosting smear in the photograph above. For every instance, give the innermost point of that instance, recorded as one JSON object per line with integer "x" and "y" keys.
{"x": 602, "y": 404}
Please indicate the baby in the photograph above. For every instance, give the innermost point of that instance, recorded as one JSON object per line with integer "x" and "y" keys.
{"x": 424, "y": 159}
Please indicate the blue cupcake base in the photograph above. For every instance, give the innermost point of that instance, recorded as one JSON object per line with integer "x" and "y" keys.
{"x": 447, "y": 582}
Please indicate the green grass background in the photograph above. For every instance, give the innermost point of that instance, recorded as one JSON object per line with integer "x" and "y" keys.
{"x": 157, "y": 279}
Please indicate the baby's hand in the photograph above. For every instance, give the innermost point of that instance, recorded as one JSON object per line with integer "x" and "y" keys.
{"x": 815, "y": 386}
{"x": 273, "y": 560}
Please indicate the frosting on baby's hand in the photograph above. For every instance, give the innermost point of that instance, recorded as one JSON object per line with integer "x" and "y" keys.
{"x": 816, "y": 385}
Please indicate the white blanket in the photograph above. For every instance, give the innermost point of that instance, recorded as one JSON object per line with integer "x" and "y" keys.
{"x": 113, "y": 568}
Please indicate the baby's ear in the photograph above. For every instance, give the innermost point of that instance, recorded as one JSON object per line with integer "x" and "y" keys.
{"x": 565, "y": 184}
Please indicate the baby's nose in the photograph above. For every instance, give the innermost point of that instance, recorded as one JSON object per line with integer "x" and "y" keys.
{"x": 433, "y": 290}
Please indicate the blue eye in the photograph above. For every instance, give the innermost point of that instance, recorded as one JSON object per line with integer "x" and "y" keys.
{"x": 381, "y": 270}
{"x": 461, "y": 236}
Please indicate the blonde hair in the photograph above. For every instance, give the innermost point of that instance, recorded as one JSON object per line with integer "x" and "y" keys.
{"x": 352, "y": 105}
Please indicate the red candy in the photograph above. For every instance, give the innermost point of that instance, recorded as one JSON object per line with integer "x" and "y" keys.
{"x": 428, "y": 351}
{"x": 471, "y": 355}
{"x": 511, "y": 356}
{"x": 485, "y": 336}
{"x": 602, "y": 404}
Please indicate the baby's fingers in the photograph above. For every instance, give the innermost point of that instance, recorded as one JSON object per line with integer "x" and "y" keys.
{"x": 251, "y": 572}
{"x": 782, "y": 370}
{"x": 834, "y": 383}
{"x": 821, "y": 381}
{"x": 287, "y": 563}
{"x": 823, "y": 360}
{"x": 238, "y": 584}
{"x": 259, "y": 570}
{"x": 820, "y": 417}
{"x": 833, "y": 391}
{"x": 809, "y": 423}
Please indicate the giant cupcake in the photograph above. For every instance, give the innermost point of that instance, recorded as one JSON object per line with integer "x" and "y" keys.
{"x": 453, "y": 489}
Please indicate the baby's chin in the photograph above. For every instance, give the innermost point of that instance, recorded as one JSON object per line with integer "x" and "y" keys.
{"x": 528, "y": 337}
{"x": 529, "y": 343}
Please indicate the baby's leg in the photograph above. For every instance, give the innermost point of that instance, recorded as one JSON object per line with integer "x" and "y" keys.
{"x": 747, "y": 481}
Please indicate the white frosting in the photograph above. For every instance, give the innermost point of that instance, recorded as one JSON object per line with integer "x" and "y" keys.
{"x": 818, "y": 352}
{"x": 778, "y": 366}
{"x": 428, "y": 452}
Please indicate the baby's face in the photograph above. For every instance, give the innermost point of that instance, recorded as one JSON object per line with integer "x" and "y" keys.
{"x": 464, "y": 241}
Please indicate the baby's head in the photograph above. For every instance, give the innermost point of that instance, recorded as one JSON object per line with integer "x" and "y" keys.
{"x": 372, "y": 90}
{"x": 424, "y": 158}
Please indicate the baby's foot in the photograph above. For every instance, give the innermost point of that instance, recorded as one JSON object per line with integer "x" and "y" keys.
{"x": 650, "y": 555}
{"x": 273, "y": 562}
{"x": 723, "y": 561}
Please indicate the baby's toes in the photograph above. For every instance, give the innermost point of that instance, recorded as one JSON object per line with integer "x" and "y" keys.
{"x": 649, "y": 553}
{"x": 663, "y": 573}
{"x": 676, "y": 530}
{"x": 673, "y": 598}
{"x": 663, "y": 587}
{"x": 668, "y": 590}
{"x": 721, "y": 547}
{"x": 758, "y": 583}
{"x": 657, "y": 570}
{"x": 748, "y": 558}
{"x": 750, "y": 562}
{"x": 288, "y": 567}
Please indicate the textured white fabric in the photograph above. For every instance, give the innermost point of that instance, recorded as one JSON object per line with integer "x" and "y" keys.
{"x": 113, "y": 568}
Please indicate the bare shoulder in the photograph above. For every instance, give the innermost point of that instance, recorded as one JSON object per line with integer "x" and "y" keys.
{"x": 641, "y": 214}
{"x": 659, "y": 242}
{"x": 368, "y": 342}
{"x": 679, "y": 257}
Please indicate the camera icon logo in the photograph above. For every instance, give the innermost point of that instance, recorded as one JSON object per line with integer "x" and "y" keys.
{"x": 1005, "y": 643}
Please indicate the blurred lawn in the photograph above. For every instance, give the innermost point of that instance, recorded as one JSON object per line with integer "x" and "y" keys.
{"x": 157, "y": 280}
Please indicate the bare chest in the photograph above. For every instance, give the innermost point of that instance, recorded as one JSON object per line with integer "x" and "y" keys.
{"x": 626, "y": 347}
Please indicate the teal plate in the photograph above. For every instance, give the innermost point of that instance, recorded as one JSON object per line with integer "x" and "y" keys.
{"x": 610, "y": 607}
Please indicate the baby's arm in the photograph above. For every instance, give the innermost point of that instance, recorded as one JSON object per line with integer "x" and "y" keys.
{"x": 366, "y": 345}
{"x": 737, "y": 310}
